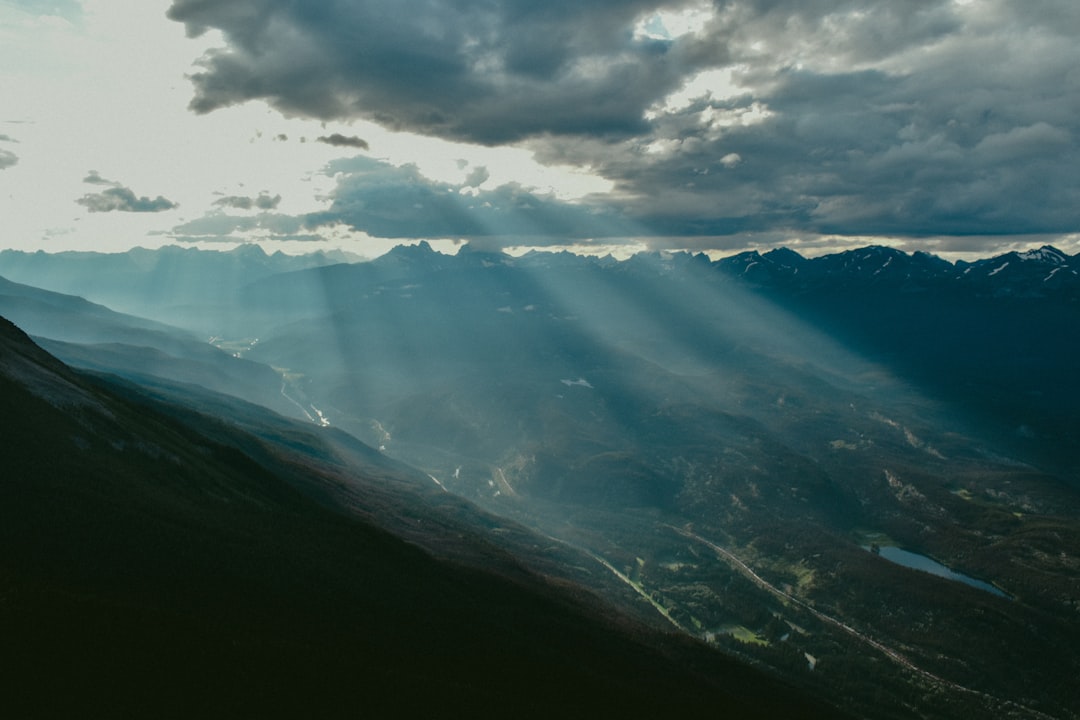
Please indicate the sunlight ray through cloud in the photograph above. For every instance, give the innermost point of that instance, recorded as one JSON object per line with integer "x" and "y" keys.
{"x": 573, "y": 324}
{"x": 853, "y": 119}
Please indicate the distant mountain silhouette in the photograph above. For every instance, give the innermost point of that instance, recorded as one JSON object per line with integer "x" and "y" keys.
{"x": 1045, "y": 272}
{"x": 173, "y": 281}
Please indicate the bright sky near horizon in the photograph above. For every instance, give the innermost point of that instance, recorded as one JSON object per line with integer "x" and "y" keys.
{"x": 945, "y": 125}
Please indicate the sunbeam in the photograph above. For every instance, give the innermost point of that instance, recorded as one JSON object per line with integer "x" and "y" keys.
{"x": 601, "y": 359}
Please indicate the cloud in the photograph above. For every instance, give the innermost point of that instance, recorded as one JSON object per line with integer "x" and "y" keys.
{"x": 262, "y": 202}
{"x": 247, "y": 239}
{"x": 116, "y": 197}
{"x": 7, "y": 158}
{"x": 93, "y": 178}
{"x": 217, "y": 226}
{"x": 399, "y": 202}
{"x": 951, "y": 135}
{"x": 731, "y": 160}
{"x": 909, "y": 119}
{"x": 485, "y": 72}
{"x": 339, "y": 140}
{"x": 477, "y": 177}
{"x": 122, "y": 199}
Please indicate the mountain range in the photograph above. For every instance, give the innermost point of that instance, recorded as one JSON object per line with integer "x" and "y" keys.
{"x": 759, "y": 453}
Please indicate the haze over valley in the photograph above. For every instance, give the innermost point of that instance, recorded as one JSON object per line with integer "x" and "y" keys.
{"x": 755, "y": 453}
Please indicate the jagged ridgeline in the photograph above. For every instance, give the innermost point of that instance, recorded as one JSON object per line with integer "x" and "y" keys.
{"x": 855, "y": 470}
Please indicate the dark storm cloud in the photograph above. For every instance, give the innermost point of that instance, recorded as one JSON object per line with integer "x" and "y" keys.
{"x": 965, "y": 129}
{"x": 339, "y": 140}
{"x": 240, "y": 202}
{"x": 913, "y": 118}
{"x": 122, "y": 199}
{"x": 488, "y": 72}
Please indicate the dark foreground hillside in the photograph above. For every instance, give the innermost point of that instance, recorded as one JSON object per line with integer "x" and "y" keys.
{"x": 150, "y": 571}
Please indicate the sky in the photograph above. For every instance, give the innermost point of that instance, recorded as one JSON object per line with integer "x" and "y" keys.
{"x": 950, "y": 126}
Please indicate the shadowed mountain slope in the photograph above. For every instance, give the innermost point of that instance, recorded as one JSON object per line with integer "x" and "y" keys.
{"x": 92, "y": 336}
{"x": 153, "y": 568}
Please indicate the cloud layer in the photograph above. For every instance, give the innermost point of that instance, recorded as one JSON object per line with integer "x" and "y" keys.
{"x": 399, "y": 202}
{"x": 907, "y": 119}
{"x": 487, "y": 72}
{"x": 262, "y": 201}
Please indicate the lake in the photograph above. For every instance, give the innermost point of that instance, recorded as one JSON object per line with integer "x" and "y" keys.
{"x": 916, "y": 561}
